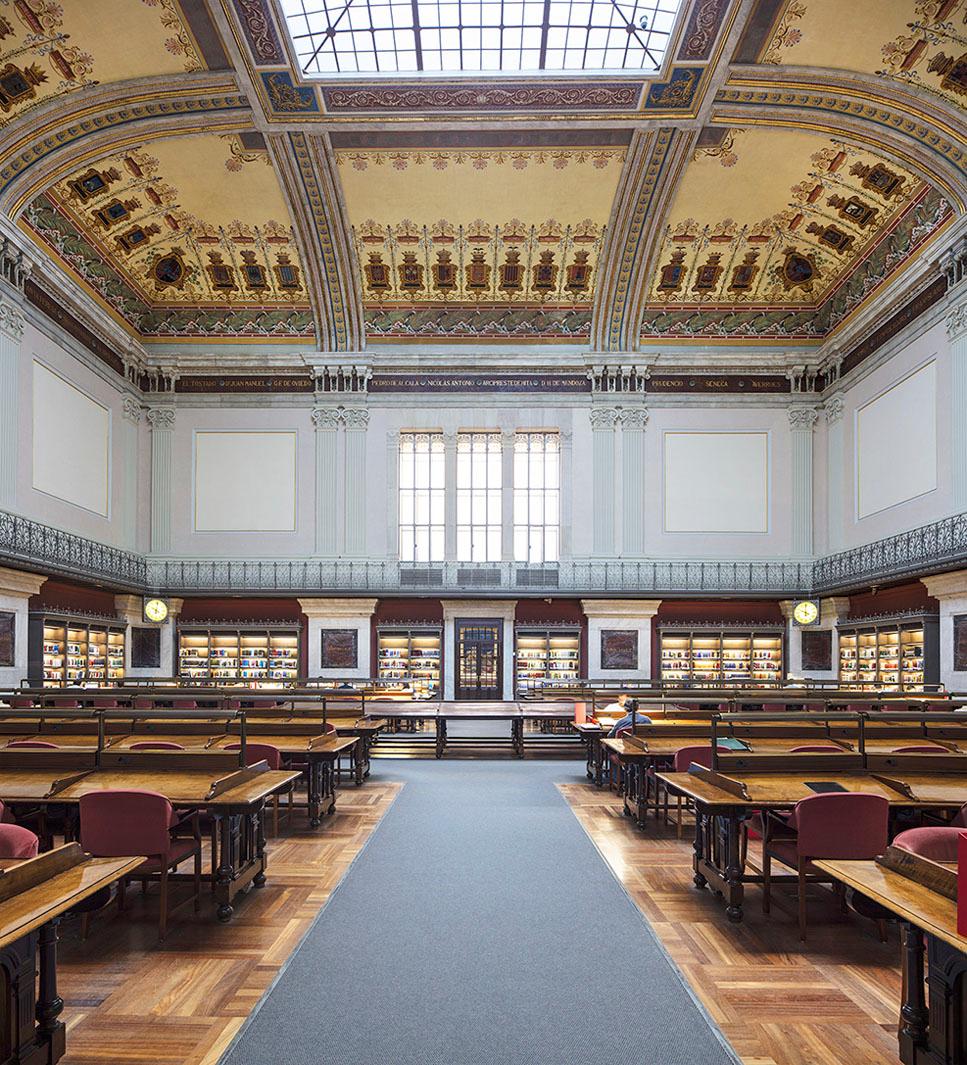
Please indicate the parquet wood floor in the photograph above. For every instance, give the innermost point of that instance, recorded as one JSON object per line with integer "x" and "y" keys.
{"x": 130, "y": 1001}
{"x": 831, "y": 1001}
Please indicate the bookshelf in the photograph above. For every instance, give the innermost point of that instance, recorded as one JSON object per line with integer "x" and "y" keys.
{"x": 890, "y": 654}
{"x": 697, "y": 655}
{"x": 412, "y": 658}
{"x": 66, "y": 651}
{"x": 251, "y": 656}
{"x": 546, "y": 655}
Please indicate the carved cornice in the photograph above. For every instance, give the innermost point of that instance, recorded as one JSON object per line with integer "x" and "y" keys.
{"x": 161, "y": 418}
{"x": 802, "y": 419}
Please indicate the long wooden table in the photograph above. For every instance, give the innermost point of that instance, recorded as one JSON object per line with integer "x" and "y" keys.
{"x": 724, "y": 802}
{"x": 34, "y": 897}
{"x": 931, "y": 1029}
{"x": 234, "y": 798}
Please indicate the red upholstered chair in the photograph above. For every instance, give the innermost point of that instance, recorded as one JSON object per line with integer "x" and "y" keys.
{"x": 156, "y": 745}
{"x": 850, "y": 825}
{"x": 143, "y": 702}
{"x": 686, "y": 757}
{"x": 859, "y": 708}
{"x": 925, "y": 749}
{"x": 817, "y": 748}
{"x": 19, "y": 702}
{"x": 184, "y": 704}
{"x": 33, "y": 743}
{"x": 105, "y": 704}
{"x": 19, "y": 843}
{"x": 265, "y": 752}
{"x": 115, "y": 824}
{"x": 773, "y": 708}
{"x": 938, "y": 844}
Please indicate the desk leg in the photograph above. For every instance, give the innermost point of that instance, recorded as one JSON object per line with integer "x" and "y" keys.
{"x": 313, "y": 792}
{"x": 913, "y": 1010}
{"x": 257, "y": 830}
{"x": 228, "y": 830}
{"x": 734, "y": 888}
{"x": 359, "y": 760}
{"x": 441, "y": 736}
{"x": 517, "y": 734}
{"x": 49, "y": 1003}
{"x": 698, "y": 846}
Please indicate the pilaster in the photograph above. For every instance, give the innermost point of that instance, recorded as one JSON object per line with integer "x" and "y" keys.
{"x": 628, "y": 615}
{"x": 950, "y": 589}
{"x": 131, "y": 415}
{"x": 129, "y": 608}
{"x": 356, "y": 422}
{"x": 833, "y": 410}
{"x": 16, "y": 588}
{"x": 957, "y": 336}
{"x": 162, "y": 422}
{"x": 450, "y": 496}
{"x": 326, "y": 422}
{"x": 508, "y": 439}
{"x": 11, "y": 335}
{"x": 801, "y": 422}
{"x": 633, "y": 422}
{"x": 332, "y": 613}
{"x": 603, "y": 423}
{"x": 393, "y": 494}
{"x": 566, "y": 482}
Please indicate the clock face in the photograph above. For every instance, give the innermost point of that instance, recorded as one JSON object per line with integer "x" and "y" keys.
{"x": 155, "y": 609}
{"x": 805, "y": 612}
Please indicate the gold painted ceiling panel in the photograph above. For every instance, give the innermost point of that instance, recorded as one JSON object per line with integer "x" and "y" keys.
{"x": 921, "y": 42}
{"x": 196, "y": 220}
{"x": 776, "y": 218}
{"x": 484, "y": 227}
{"x": 49, "y": 48}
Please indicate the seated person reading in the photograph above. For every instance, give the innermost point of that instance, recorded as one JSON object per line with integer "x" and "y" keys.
{"x": 625, "y": 718}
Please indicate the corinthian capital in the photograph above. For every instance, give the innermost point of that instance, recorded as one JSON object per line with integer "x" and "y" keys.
{"x": 355, "y": 419}
{"x": 833, "y": 409}
{"x": 326, "y": 419}
{"x": 11, "y": 320}
{"x": 803, "y": 418}
{"x": 603, "y": 418}
{"x": 634, "y": 418}
{"x": 957, "y": 321}
{"x": 161, "y": 418}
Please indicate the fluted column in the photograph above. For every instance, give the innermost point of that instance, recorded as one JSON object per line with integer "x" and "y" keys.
{"x": 393, "y": 494}
{"x": 11, "y": 334}
{"x": 566, "y": 493}
{"x": 633, "y": 422}
{"x": 833, "y": 409}
{"x": 326, "y": 422}
{"x": 957, "y": 336}
{"x": 603, "y": 422}
{"x": 450, "y": 495}
{"x": 801, "y": 422}
{"x": 508, "y": 438}
{"x": 162, "y": 422}
{"x": 356, "y": 423}
{"x": 131, "y": 413}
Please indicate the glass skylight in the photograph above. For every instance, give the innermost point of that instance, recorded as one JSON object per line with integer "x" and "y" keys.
{"x": 479, "y": 36}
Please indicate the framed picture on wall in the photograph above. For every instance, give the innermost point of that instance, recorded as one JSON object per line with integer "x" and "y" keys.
{"x": 8, "y": 625}
{"x": 817, "y": 649}
{"x": 340, "y": 648}
{"x": 619, "y": 649}
{"x": 145, "y": 647}
{"x": 960, "y": 643}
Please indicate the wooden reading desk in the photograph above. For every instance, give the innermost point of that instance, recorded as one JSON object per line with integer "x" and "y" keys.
{"x": 213, "y": 782}
{"x": 923, "y": 895}
{"x": 34, "y": 896}
{"x": 725, "y": 799}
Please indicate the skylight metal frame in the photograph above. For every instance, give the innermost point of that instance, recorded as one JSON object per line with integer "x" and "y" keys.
{"x": 492, "y": 39}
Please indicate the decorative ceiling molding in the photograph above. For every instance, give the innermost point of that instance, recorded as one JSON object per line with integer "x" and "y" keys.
{"x": 307, "y": 170}
{"x": 880, "y": 116}
{"x": 645, "y": 191}
{"x": 61, "y": 136}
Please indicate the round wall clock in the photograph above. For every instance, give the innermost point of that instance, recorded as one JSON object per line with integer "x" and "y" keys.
{"x": 155, "y": 610}
{"x": 806, "y": 612}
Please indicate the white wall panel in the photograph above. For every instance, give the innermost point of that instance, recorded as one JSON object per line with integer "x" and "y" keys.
{"x": 896, "y": 443}
{"x": 245, "y": 481}
{"x": 716, "y": 482}
{"x": 71, "y": 443}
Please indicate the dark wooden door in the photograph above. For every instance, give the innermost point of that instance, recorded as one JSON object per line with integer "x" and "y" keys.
{"x": 479, "y": 659}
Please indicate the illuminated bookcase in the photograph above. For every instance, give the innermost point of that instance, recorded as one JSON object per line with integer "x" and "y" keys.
{"x": 410, "y": 658}
{"x": 696, "y": 655}
{"x": 72, "y": 650}
{"x": 890, "y": 654}
{"x": 256, "y": 656}
{"x": 551, "y": 655}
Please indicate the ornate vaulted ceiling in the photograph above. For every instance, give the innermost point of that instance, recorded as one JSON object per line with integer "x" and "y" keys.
{"x": 785, "y": 170}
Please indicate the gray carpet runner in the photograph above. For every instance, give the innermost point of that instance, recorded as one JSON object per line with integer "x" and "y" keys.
{"x": 479, "y": 926}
